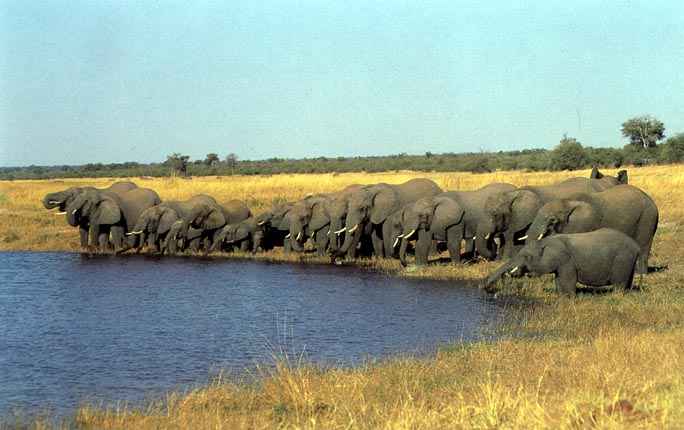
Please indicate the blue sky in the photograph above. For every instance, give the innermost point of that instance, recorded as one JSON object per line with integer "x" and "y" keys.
{"x": 113, "y": 81}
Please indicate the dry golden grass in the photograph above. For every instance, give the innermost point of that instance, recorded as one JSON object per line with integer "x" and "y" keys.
{"x": 600, "y": 361}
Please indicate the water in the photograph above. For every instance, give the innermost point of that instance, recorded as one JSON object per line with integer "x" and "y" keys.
{"x": 130, "y": 327}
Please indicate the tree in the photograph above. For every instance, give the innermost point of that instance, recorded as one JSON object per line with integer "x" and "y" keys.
{"x": 673, "y": 149}
{"x": 231, "y": 161}
{"x": 178, "y": 162}
{"x": 644, "y": 131}
{"x": 568, "y": 155}
{"x": 211, "y": 159}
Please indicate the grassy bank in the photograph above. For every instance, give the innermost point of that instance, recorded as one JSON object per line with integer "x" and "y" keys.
{"x": 594, "y": 361}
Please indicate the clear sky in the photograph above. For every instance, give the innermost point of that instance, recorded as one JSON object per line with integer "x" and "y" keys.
{"x": 110, "y": 81}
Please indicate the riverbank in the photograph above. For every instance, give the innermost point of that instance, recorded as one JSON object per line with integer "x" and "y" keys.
{"x": 597, "y": 360}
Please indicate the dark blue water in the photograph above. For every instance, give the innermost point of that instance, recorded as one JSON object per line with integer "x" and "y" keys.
{"x": 105, "y": 328}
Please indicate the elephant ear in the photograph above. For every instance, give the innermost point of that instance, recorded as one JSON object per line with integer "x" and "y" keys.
{"x": 214, "y": 220}
{"x": 524, "y": 207}
{"x": 107, "y": 212}
{"x": 167, "y": 218}
{"x": 447, "y": 213}
{"x": 320, "y": 214}
{"x": 385, "y": 203}
{"x": 581, "y": 217}
{"x": 240, "y": 232}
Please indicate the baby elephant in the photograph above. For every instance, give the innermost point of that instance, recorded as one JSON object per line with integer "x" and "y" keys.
{"x": 601, "y": 257}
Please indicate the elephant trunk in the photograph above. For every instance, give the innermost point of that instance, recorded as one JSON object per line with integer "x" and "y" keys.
{"x": 512, "y": 266}
{"x": 351, "y": 237}
{"x": 402, "y": 251}
{"x": 484, "y": 242}
{"x": 297, "y": 237}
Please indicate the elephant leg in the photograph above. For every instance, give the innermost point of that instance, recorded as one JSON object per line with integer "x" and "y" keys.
{"x": 422, "y": 248}
{"x": 117, "y": 233}
{"x": 83, "y": 235}
{"x": 507, "y": 250}
{"x": 622, "y": 272}
{"x": 378, "y": 243}
{"x": 566, "y": 279}
{"x": 321, "y": 240}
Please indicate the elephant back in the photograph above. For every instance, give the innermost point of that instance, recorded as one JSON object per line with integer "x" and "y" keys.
{"x": 235, "y": 211}
{"x": 134, "y": 202}
{"x": 121, "y": 187}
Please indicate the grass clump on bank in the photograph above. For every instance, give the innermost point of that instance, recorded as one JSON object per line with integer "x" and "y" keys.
{"x": 605, "y": 360}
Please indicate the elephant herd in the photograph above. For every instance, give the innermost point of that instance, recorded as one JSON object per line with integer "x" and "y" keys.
{"x": 594, "y": 230}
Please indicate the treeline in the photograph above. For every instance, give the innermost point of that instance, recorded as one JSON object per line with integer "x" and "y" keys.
{"x": 568, "y": 155}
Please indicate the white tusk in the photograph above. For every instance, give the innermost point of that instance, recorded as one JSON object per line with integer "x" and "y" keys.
{"x": 328, "y": 233}
{"x": 487, "y": 236}
{"x": 288, "y": 236}
{"x": 340, "y": 231}
{"x": 524, "y": 237}
{"x": 74, "y": 212}
{"x": 515, "y": 269}
{"x": 396, "y": 241}
{"x": 299, "y": 236}
{"x": 410, "y": 234}
{"x": 261, "y": 222}
{"x": 54, "y": 202}
{"x": 474, "y": 237}
{"x": 60, "y": 213}
{"x": 540, "y": 236}
{"x": 353, "y": 229}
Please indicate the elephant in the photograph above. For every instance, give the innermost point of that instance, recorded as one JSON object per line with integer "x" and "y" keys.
{"x": 508, "y": 214}
{"x": 110, "y": 213}
{"x": 310, "y": 217}
{"x": 155, "y": 223}
{"x": 275, "y": 226}
{"x": 452, "y": 217}
{"x": 245, "y": 235}
{"x": 601, "y": 257}
{"x": 338, "y": 216}
{"x": 370, "y": 207}
{"x": 602, "y": 182}
{"x": 624, "y": 207}
{"x": 61, "y": 199}
{"x": 204, "y": 221}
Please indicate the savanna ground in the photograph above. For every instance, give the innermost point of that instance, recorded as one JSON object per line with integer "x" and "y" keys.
{"x": 604, "y": 361}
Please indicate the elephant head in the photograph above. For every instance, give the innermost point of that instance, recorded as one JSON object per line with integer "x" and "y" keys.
{"x": 308, "y": 216}
{"x": 605, "y": 181}
{"x": 432, "y": 216}
{"x": 242, "y": 233}
{"x": 100, "y": 208}
{"x": 202, "y": 218}
{"x": 370, "y": 205}
{"x": 505, "y": 212}
{"x": 61, "y": 199}
{"x": 527, "y": 260}
{"x": 155, "y": 222}
{"x": 555, "y": 216}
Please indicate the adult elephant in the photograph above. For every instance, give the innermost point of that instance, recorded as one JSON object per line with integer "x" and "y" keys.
{"x": 601, "y": 257}
{"x": 452, "y": 217}
{"x": 373, "y": 204}
{"x": 204, "y": 221}
{"x": 61, "y": 199}
{"x": 338, "y": 215}
{"x": 310, "y": 218}
{"x": 275, "y": 227}
{"x": 155, "y": 223}
{"x": 509, "y": 214}
{"x": 624, "y": 208}
{"x": 108, "y": 212}
{"x": 244, "y": 235}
